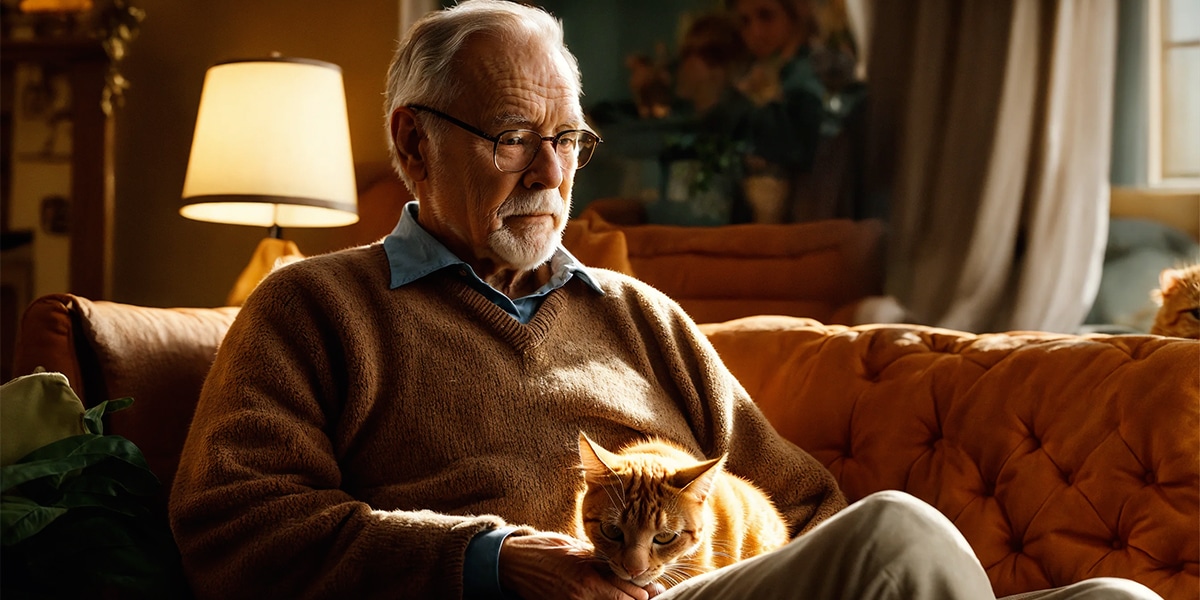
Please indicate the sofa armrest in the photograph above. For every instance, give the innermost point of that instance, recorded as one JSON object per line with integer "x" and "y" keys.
{"x": 1059, "y": 457}
{"x": 107, "y": 350}
{"x": 46, "y": 337}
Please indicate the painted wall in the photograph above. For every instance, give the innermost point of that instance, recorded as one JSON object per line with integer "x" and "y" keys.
{"x": 1131, "y": 121}
{"x": 601, "y": 32}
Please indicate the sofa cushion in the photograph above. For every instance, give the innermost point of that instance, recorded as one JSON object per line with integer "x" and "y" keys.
{"x": 817, "y": 269}
{"x": 1058, "y": 457}
{"x": 605, "y": 249}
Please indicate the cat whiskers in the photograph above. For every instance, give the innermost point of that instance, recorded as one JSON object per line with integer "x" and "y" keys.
{"x": 685, "y": 568}
{"x": 616, "y": 482}
{"x": 597, "y": 557}
{"x": 676, "y": 573}
{"x": 607, "y": 487}
{"x": 613, "y": 514}
{"x": 721, "y": 548}
{"x": 668, "y": 579}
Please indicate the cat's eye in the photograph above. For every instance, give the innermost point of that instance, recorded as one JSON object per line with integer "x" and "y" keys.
{"x": 1195, "y": 313}
{"x": 611, "y": 532}
{"x": 665, "y": 537}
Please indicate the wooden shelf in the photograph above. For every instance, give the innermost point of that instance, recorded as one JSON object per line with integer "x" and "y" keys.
{"x": 55, "y": 50}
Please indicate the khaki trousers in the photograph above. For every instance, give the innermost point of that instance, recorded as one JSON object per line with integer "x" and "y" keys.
{"x": 888, "y": 545}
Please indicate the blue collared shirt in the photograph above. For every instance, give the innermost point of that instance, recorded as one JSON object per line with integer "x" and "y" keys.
{"x": 412, "y": 254}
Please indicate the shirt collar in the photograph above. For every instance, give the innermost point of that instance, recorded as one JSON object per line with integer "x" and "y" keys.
{"x": 413, "y": 253}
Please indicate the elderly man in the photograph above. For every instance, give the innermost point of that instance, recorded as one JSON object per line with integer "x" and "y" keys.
{"x": 400, "y": 420}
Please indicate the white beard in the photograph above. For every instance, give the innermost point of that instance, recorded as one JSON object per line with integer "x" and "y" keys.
{"x": 525, "y": 250}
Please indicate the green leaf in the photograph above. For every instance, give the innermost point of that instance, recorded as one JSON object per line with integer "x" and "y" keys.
{"x": 52, "y": 460}
{"x": 113, "y": 477}
{"x": 93, "y": 418}
{"x": 21, "y": 518}
{"x": 121, "y": 505}
{"x": 68, "y": 455}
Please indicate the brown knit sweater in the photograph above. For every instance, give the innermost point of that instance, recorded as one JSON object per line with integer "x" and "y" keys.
{"x": 351, "y": 439}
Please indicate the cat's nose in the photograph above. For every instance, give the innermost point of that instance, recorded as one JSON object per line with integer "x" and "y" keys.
{"x": 636, "y": 570}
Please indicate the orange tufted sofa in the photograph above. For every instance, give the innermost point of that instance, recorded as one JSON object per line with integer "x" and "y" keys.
{"x": 1059, "y": 457}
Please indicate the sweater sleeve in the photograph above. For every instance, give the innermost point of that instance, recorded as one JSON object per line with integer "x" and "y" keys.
{"x": 258, "y": 506}
{"x": 725, "y": 420}
{"x": 801, "y": 487}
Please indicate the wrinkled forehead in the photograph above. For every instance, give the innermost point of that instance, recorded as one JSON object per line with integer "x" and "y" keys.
{"x": 515, "y": 83}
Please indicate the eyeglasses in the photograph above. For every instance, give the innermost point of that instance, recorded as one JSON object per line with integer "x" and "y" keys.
{"x": 514, "y": 150}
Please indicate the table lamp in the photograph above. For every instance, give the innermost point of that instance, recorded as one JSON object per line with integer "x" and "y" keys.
{"x": 272, "y": 149}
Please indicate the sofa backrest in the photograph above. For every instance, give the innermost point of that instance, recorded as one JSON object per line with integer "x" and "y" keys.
{"x": 157, "y": 356}
{"x": 818, "y": 269}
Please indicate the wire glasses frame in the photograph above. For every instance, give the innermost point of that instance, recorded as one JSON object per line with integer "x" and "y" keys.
{"x": 514, "y": 149}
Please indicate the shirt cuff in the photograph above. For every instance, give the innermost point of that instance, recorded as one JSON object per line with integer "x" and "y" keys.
{"x": 481, "y": 565}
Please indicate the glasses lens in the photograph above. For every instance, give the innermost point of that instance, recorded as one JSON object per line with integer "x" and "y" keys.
{"x": 516, "y": 149}
{"x": 576, "y": 147}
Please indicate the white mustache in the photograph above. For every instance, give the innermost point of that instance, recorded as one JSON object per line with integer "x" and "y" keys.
{"x": 536, "y": 203}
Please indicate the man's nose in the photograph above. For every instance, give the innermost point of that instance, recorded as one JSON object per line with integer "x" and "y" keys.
{"x": 547, "y": 169}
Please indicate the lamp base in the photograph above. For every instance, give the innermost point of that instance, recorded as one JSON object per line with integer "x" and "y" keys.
{"x": 271, "y": 253}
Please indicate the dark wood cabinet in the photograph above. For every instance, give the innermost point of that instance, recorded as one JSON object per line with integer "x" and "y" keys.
{"x": 86, "y": 212}
{"x": 86, "y": 66}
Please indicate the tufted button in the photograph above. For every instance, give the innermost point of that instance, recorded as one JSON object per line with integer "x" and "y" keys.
{"x": 1068, "y": 477}
{"x": 1118, "y": 544}
{"x": 1150, "y": 478}
{"x": 1017, "y": 545}
{"x": 989, "y": 489}
{"x": 934, "y": 438}
{"x": 1035, "y": 442}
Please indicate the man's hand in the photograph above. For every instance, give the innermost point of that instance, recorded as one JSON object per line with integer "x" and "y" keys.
{"x": 552, "y": 565}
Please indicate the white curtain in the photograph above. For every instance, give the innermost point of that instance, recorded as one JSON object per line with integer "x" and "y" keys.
{"x": 990, "y": 124}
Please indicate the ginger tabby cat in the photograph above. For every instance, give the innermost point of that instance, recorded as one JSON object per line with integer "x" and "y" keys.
{"x": 654, "y": 512}
{"x": 1178, "y": 297}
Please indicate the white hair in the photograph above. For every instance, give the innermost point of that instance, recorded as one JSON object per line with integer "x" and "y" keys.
{"x": 423, "y": 69}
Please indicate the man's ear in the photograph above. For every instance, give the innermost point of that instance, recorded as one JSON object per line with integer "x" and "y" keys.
{"x": 406, "y": 138}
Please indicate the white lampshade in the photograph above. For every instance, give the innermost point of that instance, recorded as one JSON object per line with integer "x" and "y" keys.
{"x": 272, "y": 146}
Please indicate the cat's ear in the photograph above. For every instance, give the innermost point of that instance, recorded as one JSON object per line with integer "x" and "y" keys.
{"x": 1168, "y": 278}
{"x": 597, "y": 462}
{"x": 698, "y": 479}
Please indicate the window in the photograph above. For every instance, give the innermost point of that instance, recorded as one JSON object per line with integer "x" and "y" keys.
{"x": 1173, "y": 44}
